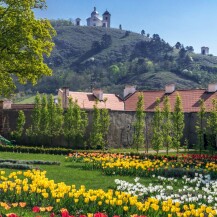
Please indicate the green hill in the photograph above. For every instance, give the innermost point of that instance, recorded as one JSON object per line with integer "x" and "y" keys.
{"x": 88, "y": 57}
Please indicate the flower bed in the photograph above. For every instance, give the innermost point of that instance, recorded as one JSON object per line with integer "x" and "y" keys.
{"x": 119, "y": 164}
{"x": 34, "y": 189}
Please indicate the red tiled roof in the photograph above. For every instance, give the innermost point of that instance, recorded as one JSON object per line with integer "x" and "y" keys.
{"x": 87, "y": 101}
{"x": 190, "y": 99}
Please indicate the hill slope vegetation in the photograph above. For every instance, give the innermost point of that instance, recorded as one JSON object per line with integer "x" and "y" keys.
{"x": 92, "y": 57}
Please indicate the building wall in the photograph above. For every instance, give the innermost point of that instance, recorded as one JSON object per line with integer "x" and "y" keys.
{"x": 95, "y": 22}
{"x": 120, "y": 132}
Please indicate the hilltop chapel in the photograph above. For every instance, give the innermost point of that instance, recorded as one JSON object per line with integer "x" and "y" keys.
{"x": 96, "y": 20}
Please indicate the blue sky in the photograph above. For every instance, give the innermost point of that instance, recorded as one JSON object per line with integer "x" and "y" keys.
{"x": 191, "y": 22}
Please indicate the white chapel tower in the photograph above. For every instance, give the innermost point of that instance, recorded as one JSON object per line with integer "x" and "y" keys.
{"x": 96, "y": 20}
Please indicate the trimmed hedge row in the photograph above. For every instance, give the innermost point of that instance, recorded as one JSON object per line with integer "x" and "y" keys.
{"x": 9, "y": 165}
{"x": 37, "y": 150}
{"x": 39, "y": 162}
{"x": 65, "y": 151}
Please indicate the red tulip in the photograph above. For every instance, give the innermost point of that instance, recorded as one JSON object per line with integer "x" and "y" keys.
{"x": 13, "y": 215}
{"x": 99, "y": 214}
{"x": 36, "y": 209}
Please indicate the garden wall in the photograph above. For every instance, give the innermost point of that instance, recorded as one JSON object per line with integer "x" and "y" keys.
{"x": 121, "y": 128}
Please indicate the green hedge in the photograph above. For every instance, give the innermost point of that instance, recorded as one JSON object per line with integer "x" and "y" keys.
{"x": 38, "y": 150}
{"x": 39, "y": 162}
{"x": 65, "y": 151}
{"x": 9, "y": 165}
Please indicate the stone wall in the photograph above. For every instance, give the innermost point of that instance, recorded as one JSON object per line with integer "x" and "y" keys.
{"x": 120, "y": 132}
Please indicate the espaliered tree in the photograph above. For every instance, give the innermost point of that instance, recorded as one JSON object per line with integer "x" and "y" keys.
{"x": 178, "y": 123}
{"x": 21, "y": 120}
{"x": 34, "y": 130}
{"x": 100, "y": 127}
{"x": 212, "y": 127}
{"x": 55, "y": 119}
{"x": 157, "y": 137}
{"x": 75, "y": 123}
{"x": 167, "y": 124}
{"x": 24, "y": 40}
{"x": 139, "y": 124}
{"x": 200, "y": 125}
{"x": 105, "y": 118}
{"x": 96, "y": 137}
{"x": 43, "y": 129}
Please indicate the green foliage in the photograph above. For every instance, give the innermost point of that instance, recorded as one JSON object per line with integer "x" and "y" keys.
{"x": 139, "y": 124}
{"x": 73, "y": 63}
{"x": 100, "y": 127}
{"x": 178, "y": 123}
{"x": 43, "y": 118}
{"x": 157, "y": 123}
{"x": 96, "y": 136}
{"x": 24, "y": 40}
{"x": 212, "y": 127}
{"x": 17, "y": 134}
{"x": 200, "y": 125}
{"x": 34, "y": 130}
{"x": 105, "y": 123}
{"x": 54, "y": 119}
{"x": 167, "y": 126}
{"x": 75, "y": 123}
{"x": 38, "y": 150}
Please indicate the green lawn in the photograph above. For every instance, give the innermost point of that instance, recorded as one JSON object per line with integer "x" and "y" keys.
{"x": 69, "y": 172}
{"x": 28, "y": 100}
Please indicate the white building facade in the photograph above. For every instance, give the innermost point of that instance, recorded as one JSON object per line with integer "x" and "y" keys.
{"x": 96, "y": 20}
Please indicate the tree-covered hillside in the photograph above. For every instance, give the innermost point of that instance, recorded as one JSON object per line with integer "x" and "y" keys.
{"x": 89, "y": 57}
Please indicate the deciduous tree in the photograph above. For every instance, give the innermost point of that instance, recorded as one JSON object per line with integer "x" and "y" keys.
{"x": 34, "y": 130}
{"x": 178, "y": 123}
{"x": 157, "y": 137}
{"x": 200, "y": 125}
{"x": 55, "y": 119}
{"x": 167, "y": 124}
{"x": 105, "y": 118}
{"x": 212, "y": 127}
{"x": 21, "y": 120}
{"x": 96, "y": 137}
{"x": 75, "y": 123}
{"x": 139, "y": 124}
{"x": 24, "y": 40}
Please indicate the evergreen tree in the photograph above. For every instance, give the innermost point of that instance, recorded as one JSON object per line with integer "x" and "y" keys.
{"x": 167, "y": 124}
{"x": 178, "y": 123}
{"x": 105, "y": 118}
{"x": 21, "y": 120}
{"x": 139, "y": 124}
{"x": 96, "y": 137}
{"x": 157, "y": 137}
{"x": 212, "y": 127}
{"x": 75, "y": 123}
{"x": 200, "y": 128}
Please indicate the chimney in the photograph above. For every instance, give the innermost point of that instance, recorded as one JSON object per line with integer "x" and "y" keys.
{"x": 5, "y": 104}
{"x": 98, "y": 93}
{"x": 129, "y": 89}
{"x": 212, "y": 88}
{"x": 65, "y": 95}
{"x": 170, "y": 88}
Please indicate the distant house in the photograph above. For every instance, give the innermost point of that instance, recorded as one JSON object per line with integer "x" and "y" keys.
{"x": 190, "y": 98}
{"x": 204, "y": 50}
{"x": 86, "y": 100}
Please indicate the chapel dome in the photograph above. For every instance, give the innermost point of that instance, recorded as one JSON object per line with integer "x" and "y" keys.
{"x": 95, "y": 12}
